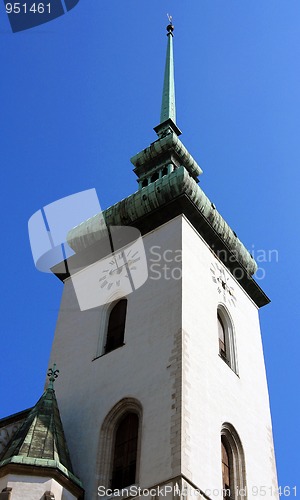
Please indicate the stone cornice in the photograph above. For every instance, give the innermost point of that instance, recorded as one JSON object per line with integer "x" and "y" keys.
{"x": 27, "y": 468}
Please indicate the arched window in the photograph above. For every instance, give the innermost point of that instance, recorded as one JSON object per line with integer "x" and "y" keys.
{"x": 116, "y": 326}
{"x": 125, "y": 452}
{"x": 233, "y": 465}
{"x": 154, "y": 177}
{"x": 164, "y": 171}
{"x": 227, "y": 348}
{"x": 119, "y": 445}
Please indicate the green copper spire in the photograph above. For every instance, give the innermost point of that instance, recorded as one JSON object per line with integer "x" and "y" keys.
{"x": 39, "y": 444}
{"x": 168, "y": 106}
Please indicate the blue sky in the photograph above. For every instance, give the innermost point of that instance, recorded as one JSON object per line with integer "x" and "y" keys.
{"x": 79, "y": 97}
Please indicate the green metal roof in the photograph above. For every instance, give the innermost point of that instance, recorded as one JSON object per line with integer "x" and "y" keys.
{"x": 147, "y": 200}
{"x": 167, "y": 174}
{"x": 40, "y": 441}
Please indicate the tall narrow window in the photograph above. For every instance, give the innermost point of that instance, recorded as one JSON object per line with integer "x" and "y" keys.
{"x": 125, "y": 452}
{"x": 225, "y": 471}
{"x": 227, "y": 348}
{"x": 119, "y": 445}
{"x": 116, "y": 326}
{"x": 233, "y": 465}
{"x": 222, "y": 340}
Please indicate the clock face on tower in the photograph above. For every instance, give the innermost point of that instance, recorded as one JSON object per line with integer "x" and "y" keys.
{"x": 222, "y": 280}
{"x": 117, "y": 275}
{"x": 120, "y": 269}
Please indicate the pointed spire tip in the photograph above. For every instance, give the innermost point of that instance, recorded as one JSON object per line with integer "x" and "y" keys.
{"x": 168, "y": 107}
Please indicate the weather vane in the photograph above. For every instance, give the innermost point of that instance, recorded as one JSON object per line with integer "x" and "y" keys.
{"x": 52, "y": 375}
{"x": 170, "y": 27}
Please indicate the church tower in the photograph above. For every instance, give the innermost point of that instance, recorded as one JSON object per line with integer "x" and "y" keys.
{"x": 162, "y": 386}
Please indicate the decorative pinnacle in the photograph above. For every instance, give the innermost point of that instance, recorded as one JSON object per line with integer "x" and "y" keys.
{"x": 52, "y": 375}
{"x": 170, "y": 27}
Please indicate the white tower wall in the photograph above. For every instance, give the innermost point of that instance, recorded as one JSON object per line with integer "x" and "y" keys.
{"x": 170, "y": 363}
{"x": 143, "y": 369}
{"x": 213, "y": 393}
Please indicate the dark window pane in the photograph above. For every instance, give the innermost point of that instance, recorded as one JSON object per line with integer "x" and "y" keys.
{"x": 221, "y": 329}
{"x": 125, "y": 452}
{"x": 116, "y": 326}
{"x": 226, "y": 472}
{"x": 222, "y": 339}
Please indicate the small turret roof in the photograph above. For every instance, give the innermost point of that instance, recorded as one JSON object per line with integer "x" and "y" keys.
{"x": 40, "y": 440}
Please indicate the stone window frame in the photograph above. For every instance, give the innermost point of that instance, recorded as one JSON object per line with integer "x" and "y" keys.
{"x": 107, "y": 440}
{"x": 230, "y": 338}
{"x": 234, "y": 448}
